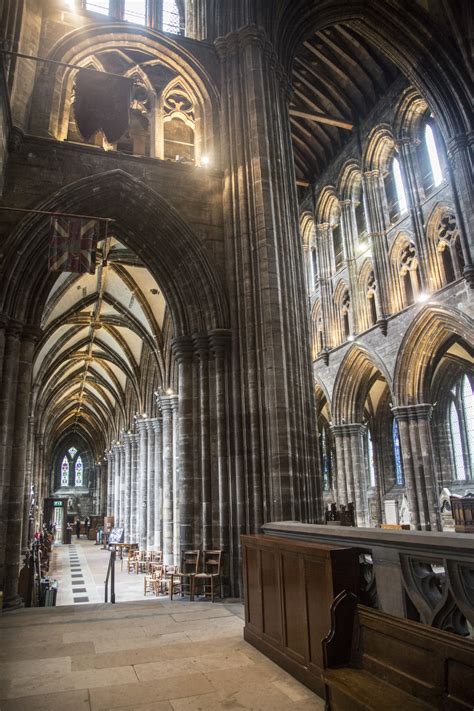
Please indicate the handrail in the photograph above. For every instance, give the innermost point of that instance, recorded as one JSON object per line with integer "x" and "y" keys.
{"x": 111, "y": 574}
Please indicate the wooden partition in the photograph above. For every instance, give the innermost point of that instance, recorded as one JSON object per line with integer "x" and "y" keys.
{"x": 289, "y": 587}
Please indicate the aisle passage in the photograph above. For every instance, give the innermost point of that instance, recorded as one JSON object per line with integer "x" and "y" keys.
{"x": 80, "y": 569}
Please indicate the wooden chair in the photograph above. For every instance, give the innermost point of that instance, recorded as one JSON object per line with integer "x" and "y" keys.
{"x": 183, "y": 580}
{"x": 210, "y": 578}
{"x": 131, "y": 561}
{"x": 152, "y": 580}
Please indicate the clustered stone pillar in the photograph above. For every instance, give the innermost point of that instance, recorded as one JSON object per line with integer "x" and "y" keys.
{"x": 419, "y": 467}
{"x": 110, "y": 478}
{"x": 142, "y": 484}
{"x": 116, "y": 482}
{"x": 350, "y": 466}
{"x": 168, "y": 405}
{"x": 376, "y": 217}
{"x": 133, "y": 488}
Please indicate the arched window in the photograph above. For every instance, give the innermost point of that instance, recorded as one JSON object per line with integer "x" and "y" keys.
{"x": 395, "y": 191}
{"x": 433, "y": 156}
{"x": 345, "y": 317}
{"x": 370, "y": 294}
{"x": 65, "y": 472}
{"x": 78, "y": 478}
{"x": 408, "y": 271}
{"x": 135, "y": 11}
{"x": 461, "y": 429}
{"x": 337, "y": 246}
{"x": 325, "y": 453}
{"x": 370, "y": 460}
{"x": 449, "y": 248}
{"x": 171, "y": 19}
{"x": 314, "y": 263}
{"x": 397, "y": 454}
{"x": 178, "y": 124}
{"x": 99, "y": 6}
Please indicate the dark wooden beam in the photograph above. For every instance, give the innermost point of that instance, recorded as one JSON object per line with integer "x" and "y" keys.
{"x": 319, "y": 118}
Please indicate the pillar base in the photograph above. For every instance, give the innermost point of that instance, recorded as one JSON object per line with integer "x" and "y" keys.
{"x": 13, "y": 603}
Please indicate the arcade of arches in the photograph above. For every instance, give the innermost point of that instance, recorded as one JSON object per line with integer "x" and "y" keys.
{"x": 281, "y": 313}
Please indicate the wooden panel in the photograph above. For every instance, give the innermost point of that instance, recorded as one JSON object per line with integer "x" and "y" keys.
{"x": 253, "y": 608}
{"x": 271, "y": 595}
{"x": 318, "y": 589}
{"x": 294, "y": 605}
{"x": 460, "y": 683}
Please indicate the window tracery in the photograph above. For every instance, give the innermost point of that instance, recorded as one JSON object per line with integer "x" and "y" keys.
{"x": 171, "y": 17}
{"x": 461, "y": 428}
{"x": 178, "y": 125}
{"x": 397, "y": 454}
{"x": 408, "y": 271}
{"x": 449, "y": 248}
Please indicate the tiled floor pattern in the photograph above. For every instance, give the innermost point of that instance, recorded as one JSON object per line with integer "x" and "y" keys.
{"x": 148, "y": 655}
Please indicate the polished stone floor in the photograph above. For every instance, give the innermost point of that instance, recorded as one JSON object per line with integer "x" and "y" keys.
{"x": 143, "y": 654}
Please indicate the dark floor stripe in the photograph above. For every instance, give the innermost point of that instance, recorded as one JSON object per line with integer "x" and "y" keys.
{"x": 78, "y": 590}
{"x": 80, "y": 599}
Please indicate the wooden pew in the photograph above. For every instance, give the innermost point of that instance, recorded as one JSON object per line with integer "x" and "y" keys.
{"x": 376, "y": 661}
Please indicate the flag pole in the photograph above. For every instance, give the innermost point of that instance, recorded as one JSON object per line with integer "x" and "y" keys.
{"x": 58, "y": 214}
{"x": 35, "y": 58}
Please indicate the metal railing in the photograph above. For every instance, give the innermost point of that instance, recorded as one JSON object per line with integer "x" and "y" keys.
{"x": 111, "y": 575}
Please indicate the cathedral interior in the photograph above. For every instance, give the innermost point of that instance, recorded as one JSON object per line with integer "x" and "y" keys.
{"x": 279, "y": 321}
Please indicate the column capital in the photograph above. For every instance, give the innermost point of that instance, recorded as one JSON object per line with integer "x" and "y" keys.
{"x": 420, "y": 411}
{"x": 201, "y": 345}
{"x": 157, "y": 424}
{"x": 168, "y": 403}
{"x": 150, "y": 424}
{"x": 220, "y": 340}
{"x": 349, "y": 428}
{"x": 142, "y": 425}
{"x": 182, "y": 348}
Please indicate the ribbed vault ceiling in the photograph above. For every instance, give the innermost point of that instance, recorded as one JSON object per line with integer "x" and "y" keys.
{"x": 94, "y": 328}
{"x": 338, "y": 77}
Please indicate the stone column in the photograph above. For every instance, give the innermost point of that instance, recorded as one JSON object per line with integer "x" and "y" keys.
{"x": 116, "y": 482}
{"x": 11, "y": 359}
{"x": 460, "y": 171}
{"x": 157, "y": 525}
{"x": 150, "y": 489}
{"x": 377, "y": 223}
{"x": 351, "y": 468}
{"x": 167, "y": 405}
{"x": 104, "y": 474}
{"x": 220, "y": 341}
{"x": 419, "y": 466}
{"x": 17, "y": 468}
{"x": 201, "y": 343}
{"x": 271, "y": 354}
{"x": 134, "y": 488}
{"x": 327, "y": 302}
{"x": 122, "y": 483}
{"x": 183, "y": 351}
{"x": 109, "y": 509}
{"x": 29, "y": 463}
{"x": 127, "y": 486}
{"x": 142, "y": 483}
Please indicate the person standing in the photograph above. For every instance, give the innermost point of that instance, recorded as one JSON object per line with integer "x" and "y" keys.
{"x": 78, "y": 529}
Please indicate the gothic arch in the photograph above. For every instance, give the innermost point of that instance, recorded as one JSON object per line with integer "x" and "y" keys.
{"x": 409, "y": 39}
{"x": 430, "y": 332}
{"x": 171, "y": 252}
{"x": 78, "y": 46}
{"x": 349, "y": 179}
{"x": 352, "y": 383}
{"x": 380, "y": 145}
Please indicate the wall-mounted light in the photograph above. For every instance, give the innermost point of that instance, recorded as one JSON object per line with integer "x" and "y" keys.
{"x": 350, "y": 338}
{"x": 205, "y": 160}
{"x": 422, "y": 297}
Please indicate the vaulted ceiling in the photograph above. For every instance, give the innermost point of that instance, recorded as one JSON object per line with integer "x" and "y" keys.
{"x": 95, "y": 327}
{"x": 338, "y": 77}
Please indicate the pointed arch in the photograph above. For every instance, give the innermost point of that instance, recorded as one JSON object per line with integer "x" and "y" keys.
{"x": 353, "y": 381}
{"x": 427, "y": 337}
{"x": 165, "y": 243}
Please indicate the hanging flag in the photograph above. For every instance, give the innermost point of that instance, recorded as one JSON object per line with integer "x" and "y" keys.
{"x": 102, "y": 101}
{"x": 73, "y": 244}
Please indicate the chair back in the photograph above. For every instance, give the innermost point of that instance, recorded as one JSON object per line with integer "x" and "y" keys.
{"x": 212, "y": 562}
{"x": 190, "y": 561}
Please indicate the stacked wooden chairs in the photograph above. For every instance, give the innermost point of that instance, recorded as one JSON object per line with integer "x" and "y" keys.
{"x": 182, "y": 581}
{"x": 193, "y": 581}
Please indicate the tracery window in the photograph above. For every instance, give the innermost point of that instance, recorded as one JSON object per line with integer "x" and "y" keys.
{"x": 345, "y": 317}
{"x": 397, "y": 454}
{"x": 370, "y": 460}
{"x": 461, "y": 428}
{"x": 325, "y": 453}
{"x": 337, "y": 245}
{"x": 408, "y": 271}
{"x": 430, "y": 158}
{"x": 65, "y": 472}
{"x": 370, "y": 296}
{"x": 314, "y": 267}
{"x": 449, "y": 248}
{"x": 178, "y": 129}
{"x": 78, "y": 472}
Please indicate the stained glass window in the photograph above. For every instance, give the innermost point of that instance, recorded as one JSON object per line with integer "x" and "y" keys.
{"x": 171, "y": 21}
{"x": 397, "y": 454}
{"x": 65, "y": 472}
{"x": 456, "y": 442}
{"x": 461, "y": 426}
{"x": 72, "y": 452}
{"x": 325, "y": 453}
{"x": 370, "y": 457}
{"x": 78, "y": 471}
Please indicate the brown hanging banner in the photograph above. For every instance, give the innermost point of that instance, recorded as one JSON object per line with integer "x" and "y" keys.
{"x": 102, "y": 101}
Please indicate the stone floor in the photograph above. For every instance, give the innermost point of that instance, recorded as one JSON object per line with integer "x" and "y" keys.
{"x": 146, "y": 654}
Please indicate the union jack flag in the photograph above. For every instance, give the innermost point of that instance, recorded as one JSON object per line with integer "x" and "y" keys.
{"x": 73, "y": 244}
